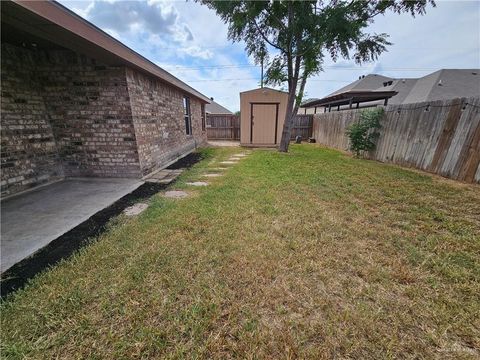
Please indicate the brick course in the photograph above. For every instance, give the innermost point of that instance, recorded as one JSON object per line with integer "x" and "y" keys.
{"x": 29, "y": 154}
{"x": 92, "y": 119}
{"x": 157, "y": 110}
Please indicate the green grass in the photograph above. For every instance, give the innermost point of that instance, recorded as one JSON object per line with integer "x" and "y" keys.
{"x": 310, "y": 254}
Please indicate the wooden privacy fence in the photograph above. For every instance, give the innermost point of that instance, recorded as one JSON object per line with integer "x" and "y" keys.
{"x": 302, "y": 126}
{"x": 441, "y": 137}
{"x": 227, "y": 127}
{"x": 223, "y": 127}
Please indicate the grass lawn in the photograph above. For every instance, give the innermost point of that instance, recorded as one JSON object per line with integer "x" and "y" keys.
{"x": 310, "y": 254}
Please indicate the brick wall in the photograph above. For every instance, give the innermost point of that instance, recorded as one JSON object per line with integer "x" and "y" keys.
{"x": 29, "y": 155}
{"x": 64, "y": 114}
{"x": 159, "y": 124}
{"x": 90, "y": 114}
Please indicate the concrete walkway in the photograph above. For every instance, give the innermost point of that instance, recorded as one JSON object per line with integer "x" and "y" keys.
{"x": 32, "y": 220}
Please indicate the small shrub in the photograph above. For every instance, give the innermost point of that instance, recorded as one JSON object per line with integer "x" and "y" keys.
{"x": 363, "y": 133}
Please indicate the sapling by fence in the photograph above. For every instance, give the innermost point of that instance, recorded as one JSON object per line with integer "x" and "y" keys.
{"x": 436, "y": 136}
{"x": 364, "y": 133}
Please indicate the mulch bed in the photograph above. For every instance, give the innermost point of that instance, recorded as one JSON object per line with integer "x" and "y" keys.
{"x": 186, "y": 161}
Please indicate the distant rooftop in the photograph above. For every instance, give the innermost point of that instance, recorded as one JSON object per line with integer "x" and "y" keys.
{"x": 216, "y": 108}
{"x": 439, "y": 85}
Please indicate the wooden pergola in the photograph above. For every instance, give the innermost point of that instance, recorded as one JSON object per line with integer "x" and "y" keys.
{"x": 349, "y": 98}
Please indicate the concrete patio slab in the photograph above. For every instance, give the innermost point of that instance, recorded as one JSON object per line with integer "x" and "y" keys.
{"x": 33, "y": 219}
{"x": 228, "y": 162}
{"x": 212, "y": 175}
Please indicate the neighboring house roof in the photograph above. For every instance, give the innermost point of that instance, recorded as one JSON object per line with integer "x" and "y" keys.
{"x": 402, "y": 87}
{"x": 216, "y": 108}
{"x": 54, "y": 22}
{"x": 366, "y": 82}
{"x": 439, "y": 85}
{"x": 446, "y": 84}
{"x": 309, "y": 100}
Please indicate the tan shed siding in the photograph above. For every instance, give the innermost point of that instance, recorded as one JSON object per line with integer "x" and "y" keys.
{"x": 264, "y": 126}
{"x": 264, "y": 120}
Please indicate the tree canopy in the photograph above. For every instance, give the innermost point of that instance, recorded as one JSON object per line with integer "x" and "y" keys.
{"x": 293, "y": 37}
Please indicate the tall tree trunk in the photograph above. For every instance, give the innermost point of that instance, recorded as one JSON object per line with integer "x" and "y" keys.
{"x": 289, "y": 114}
{"x": 299, "y": 97}
{"x": 287, "y": 125}
{"x": 293, "y": 76}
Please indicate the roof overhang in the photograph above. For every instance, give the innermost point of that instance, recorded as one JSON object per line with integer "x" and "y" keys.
{"x": 350, "y": 97}
{"x": 265, "y": 88}
{"x": 52, "y": 21}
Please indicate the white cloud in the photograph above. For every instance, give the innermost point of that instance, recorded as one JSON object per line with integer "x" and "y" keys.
{"x": 126, "y": 16}
{"x": 196, "y": 51}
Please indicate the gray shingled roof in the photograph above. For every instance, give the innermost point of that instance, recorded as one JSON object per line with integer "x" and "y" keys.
{"x": 445, "y": 84}
{"x": 439, "y": 85}
{"x": 216, "y": 108}
{"x": 368, "y": 82}
{"x": 403, "y": 87}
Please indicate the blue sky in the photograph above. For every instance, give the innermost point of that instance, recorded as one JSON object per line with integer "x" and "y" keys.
{"x": 190, "y": 41}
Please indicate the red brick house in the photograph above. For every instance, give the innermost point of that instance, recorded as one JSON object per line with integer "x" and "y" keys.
{"x": 77, "y": 102}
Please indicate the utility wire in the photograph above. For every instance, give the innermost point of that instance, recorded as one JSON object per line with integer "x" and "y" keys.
{"x": 330, "y": 67}
{"x": 245, "y": 79}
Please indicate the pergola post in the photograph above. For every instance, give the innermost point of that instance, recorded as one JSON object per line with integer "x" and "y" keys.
{"x": 350, "y": 103}
{"x": 315, "y": 110}
{"x": 385, "y": 102}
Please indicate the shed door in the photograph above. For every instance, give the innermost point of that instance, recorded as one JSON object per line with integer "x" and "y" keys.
{"x": 264, "y": 123}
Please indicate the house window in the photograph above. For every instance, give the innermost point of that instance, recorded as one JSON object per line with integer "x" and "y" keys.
{"x": 187, "y": 115}
{"x": 203, "y": 117}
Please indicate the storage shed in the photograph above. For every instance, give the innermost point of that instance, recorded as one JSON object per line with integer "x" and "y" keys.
{"x": 262, "y": 114}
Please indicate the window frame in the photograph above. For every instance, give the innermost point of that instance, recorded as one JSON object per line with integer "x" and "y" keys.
{"x": 187, "y": 115}
{"x": 204, "y": 117}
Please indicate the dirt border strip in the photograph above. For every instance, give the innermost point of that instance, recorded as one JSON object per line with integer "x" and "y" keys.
{"x": 83, "y": 234}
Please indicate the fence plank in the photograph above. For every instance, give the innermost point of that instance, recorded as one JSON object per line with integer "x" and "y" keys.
{"x": 223, "y": 127}
{"x": 438, "y": 136}
{"x": 227, "y": 127}
{"x": 302, "y": 126}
